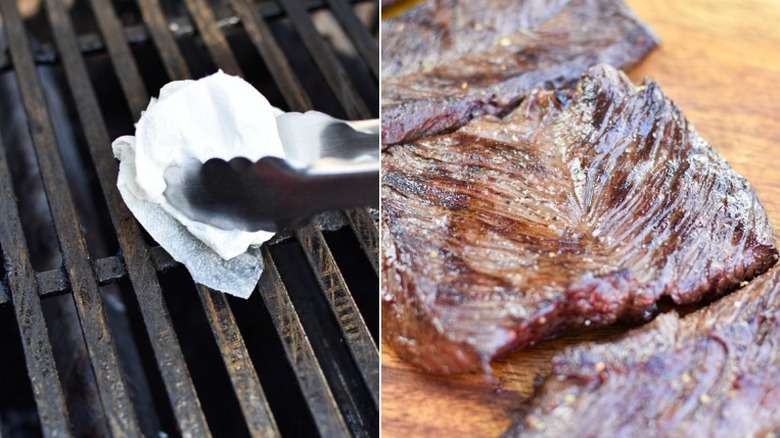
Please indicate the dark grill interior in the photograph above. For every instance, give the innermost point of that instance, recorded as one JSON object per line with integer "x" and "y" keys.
{"x": 101, "y": 332}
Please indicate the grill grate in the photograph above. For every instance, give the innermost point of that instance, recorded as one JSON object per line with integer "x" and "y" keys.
{"x": 321, "y": 321}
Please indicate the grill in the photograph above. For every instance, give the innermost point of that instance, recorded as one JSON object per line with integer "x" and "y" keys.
{"x": 101, "y": 332}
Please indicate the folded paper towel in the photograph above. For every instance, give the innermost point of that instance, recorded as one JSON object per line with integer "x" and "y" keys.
{"x": 219, "y": 116}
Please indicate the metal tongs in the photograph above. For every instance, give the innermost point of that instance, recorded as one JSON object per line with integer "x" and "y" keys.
{"x": 331, "y": 164}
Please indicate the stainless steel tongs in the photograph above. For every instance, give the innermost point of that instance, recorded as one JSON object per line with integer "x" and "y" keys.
{"x": 331, "y": 165}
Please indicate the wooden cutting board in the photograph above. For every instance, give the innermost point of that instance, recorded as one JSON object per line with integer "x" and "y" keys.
{"x": 720, "y": 62}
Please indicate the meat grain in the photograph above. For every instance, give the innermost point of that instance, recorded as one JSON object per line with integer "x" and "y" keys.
{"x": 713, "y": 373}
{"x": 576, "y": 209}
{"x": 447, "y": 61}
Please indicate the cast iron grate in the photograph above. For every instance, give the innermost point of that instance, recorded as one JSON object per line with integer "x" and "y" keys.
{"x": 163, "y": 356}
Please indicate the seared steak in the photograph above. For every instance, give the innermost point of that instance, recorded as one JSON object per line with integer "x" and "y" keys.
{"x": 576, "y": 209}
{"x": 447, "y": 61}
{"x": 713, "y": 373}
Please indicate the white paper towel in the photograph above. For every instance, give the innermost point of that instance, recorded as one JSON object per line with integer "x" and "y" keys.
{"x": 218, "y": 116}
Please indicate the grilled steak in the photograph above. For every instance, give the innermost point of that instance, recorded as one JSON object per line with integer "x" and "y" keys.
{"x": 576, "y": 209}
{"x": 447, "y": 61}
{"x": 713, "y": 373}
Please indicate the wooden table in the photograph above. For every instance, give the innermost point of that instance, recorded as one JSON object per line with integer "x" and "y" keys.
{"x": 720, "y": 62}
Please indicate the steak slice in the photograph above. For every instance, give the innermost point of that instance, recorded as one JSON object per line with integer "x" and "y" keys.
{"x": 576, "y": 209}
{"x": 447, "y": 61}
{"x": 713, "y": 373}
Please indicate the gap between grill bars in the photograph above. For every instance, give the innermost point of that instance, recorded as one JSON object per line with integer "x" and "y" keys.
{"x": 102, "y": 332}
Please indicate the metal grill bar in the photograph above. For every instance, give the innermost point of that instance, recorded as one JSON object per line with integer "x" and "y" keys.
{"x": 174, "y": 62}
{"x": 124, "y": 66}
{"x": 112, "y": 388}
{"x": 272, "y": 10}
{"x": 172, "y": 367}
{"x": 363, "y": 349}
{"x": 52, "y": 281}
{"x": 246, "y": 384}
{"x": 326, "y": 61}
{"x": 107, "y": 270}
{"x": 243, "y": 376}
{"x": 343, "y": 306}
{"x": 29, "y": 315}
{"x": 367, "y": 231}
{"x": 332, "y": 413}
{"x": 299, "y": 351}
{"x": 272, "y": 54}
{"x": 212, "y": 37}
{"x": 364, "y": 43}
{"x": 361, "y": 222}
{"x": 90, "y": 42}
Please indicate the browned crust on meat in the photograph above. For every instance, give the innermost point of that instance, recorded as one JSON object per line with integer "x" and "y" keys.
{"x": 713, "y": 373}
{"x": 448, "y": 61}
{"x": 576, "y": 209}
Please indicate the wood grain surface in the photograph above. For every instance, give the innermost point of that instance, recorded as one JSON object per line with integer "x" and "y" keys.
{"x": 720, "y": 62}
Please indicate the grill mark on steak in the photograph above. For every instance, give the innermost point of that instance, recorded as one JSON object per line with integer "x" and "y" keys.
{"x": 713, "y": 373}
{"x": 447, "y": 61}
{"x": 575, "y": 209}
